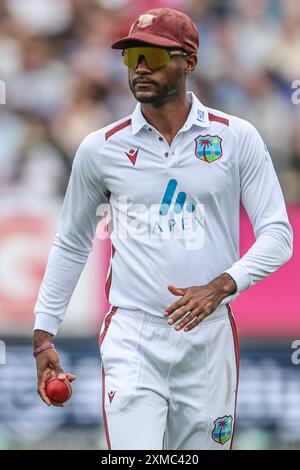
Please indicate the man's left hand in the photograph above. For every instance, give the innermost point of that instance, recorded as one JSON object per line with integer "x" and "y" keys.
{"x": 197, "y": 302}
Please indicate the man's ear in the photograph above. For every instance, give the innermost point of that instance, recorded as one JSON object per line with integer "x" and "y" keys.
{"x": 191, "y": 63}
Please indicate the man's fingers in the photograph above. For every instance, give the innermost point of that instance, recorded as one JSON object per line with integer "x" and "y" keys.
{"x": 177, "y": 290}
{"x": 42, "y": 394}
{"x": 59, "y": 405}
{"x": 194, "y": 322}
{"x": 199, "y": 300}
{"x": 173, "y": 308}
{"x": 70, "y": 377}
{"x": 179, "y": 314}
{"x": 48, "y": 367}
{"x": 61, "y": 375}
{"x": 42, "y": 389}
{"x": 179, "y": 303}
{"x": 188, "y": 318}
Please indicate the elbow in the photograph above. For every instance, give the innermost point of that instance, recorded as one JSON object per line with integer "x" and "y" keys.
{"x": 282, "y": 241}
{"x": 288, "y": 248}
{"x": 289, "y": 253}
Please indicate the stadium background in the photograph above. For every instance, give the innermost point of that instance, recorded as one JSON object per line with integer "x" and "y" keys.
{"x": 62, "y": 81}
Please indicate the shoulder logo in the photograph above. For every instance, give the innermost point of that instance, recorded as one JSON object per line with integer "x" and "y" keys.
{"x": 132, "y": 155}
{"x": 145, "y": 20}
{"x": 208, "y": 148}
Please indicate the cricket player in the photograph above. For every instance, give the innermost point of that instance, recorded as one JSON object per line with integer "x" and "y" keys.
{"x": 173, "y": 174}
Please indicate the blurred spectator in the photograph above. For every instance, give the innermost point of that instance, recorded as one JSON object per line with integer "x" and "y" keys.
{"x": 44, "y": 17}
{"x": 45, "y": 78}
{"x": 287, "y": 45}
{"x": 63, "y": 80}
{"x": 85, "y": 111}
{"x": 255, "y": 34}
{"x": 271, "y": 113}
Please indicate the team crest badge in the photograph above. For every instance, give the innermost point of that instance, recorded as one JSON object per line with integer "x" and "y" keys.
{"x": 222, "y": 430}
{"x": 208, "y": 148}
{"x": 146, "y": 20}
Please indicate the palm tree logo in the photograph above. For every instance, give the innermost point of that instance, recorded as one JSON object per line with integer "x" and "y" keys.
{"x": 222, "y": 430}
{"x": 205, "y": 143}
{"x": 208, "y": 148}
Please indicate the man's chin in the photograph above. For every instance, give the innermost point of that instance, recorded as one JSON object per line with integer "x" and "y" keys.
{"x": 146, "y": 97}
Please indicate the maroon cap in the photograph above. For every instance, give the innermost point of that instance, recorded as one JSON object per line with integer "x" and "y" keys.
{"x": 162, "y": 27}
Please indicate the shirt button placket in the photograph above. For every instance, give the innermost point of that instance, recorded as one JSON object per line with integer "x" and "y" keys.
{"x": 170, "y": 151}
{"x": 160, "y": 138}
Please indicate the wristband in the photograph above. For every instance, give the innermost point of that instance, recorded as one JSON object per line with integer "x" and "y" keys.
{"x": 42, "y": 348}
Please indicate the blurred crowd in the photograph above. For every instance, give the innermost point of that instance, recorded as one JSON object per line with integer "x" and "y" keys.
{"x": 63, "y": 80}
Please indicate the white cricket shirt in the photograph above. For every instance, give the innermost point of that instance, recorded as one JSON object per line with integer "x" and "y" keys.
{"x": 175, "y": 211}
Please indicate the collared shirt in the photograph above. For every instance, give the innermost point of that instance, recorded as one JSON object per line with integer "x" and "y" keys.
{"x": 198, "y": 116}
{"x": 174, "y": 212}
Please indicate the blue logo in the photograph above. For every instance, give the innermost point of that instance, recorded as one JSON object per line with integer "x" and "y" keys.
{"x": 177, "y": 219}
{"x": 179, "y": 202}
{"x": 208, "y": 148}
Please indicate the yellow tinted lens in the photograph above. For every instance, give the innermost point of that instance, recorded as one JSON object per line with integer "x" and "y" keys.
{"x": 154, "y": 56}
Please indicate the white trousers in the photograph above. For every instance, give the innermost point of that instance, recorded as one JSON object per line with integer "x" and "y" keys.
{"x": 164, "y": 389}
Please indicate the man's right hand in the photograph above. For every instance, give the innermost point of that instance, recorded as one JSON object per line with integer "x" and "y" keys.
{"x": 48, "y": 365}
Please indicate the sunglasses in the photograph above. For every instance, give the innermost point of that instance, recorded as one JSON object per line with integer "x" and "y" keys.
{"x": 155, "y": 57}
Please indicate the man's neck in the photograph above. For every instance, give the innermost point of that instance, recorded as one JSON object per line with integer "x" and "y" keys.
{"x": 168, "y": 118}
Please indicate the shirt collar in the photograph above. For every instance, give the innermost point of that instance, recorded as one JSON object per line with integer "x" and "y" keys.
{"x": 198, "y": 116}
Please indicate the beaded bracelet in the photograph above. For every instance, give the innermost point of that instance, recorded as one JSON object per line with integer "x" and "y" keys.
{"x": 42, "y": 348}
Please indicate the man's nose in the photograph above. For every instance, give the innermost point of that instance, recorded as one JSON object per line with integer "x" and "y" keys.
{"x": 142, "y": 66}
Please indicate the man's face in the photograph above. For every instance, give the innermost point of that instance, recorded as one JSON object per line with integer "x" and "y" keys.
{"x": 160, "y": 85}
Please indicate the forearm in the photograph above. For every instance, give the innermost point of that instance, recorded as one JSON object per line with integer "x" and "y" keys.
{"x": 63, "y": 271}
{"x": 271, "y": 250}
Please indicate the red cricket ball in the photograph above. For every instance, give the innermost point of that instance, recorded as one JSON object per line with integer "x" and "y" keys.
{"x": 58, "y": 391}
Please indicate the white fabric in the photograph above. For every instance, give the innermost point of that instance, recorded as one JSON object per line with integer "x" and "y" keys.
{"x": 164, "y": 389}
{"x": 185, "y": 248}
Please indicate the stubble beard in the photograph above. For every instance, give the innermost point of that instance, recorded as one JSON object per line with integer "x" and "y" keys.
{"x": 164, "y": 93}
